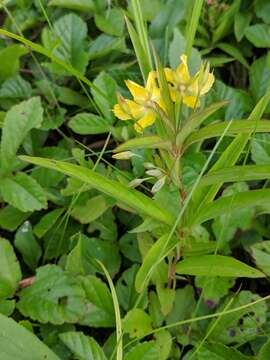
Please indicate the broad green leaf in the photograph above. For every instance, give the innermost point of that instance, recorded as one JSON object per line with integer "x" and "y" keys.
{"x": 239, "y": 326}
{"x": 10, "y": 272}
{"x": 216, "y": 265}
{"x": 67, "y": 42}
{"x": 237, "y": 127}
{"x": 16, "y": 88}
{"x": 260, "y": 149}
{"x": 236, "y": 173}
{"x": 54, "y": 297}
{"x": 144, "y": 351}
{"x": 235, "y": 202}
{"x": 19, "y": 120}
{"x": 262, "y": 9}
{"x": 154, "y": 256}
{"x": 241, "y": 22}
{"x": 9, "y": 59}
{"x": 23, "y": 192}
{"x": 184, "y": 305}
{"x": 80, "y": 5}
{"x": 91, "y": 210}
{"x": 7, "y": 307}
{"x": 82, "y": 346}
{"x": 105, "y": 45}
{"x": 259, "y": 35}
{"x": 15, "y": 343}
{"x": 259, "y": 77}
{"x": 47, "y": 222}
{"x": 88, "y": 124}
{"x": 214, "y": 288}
{"x": 260, "y": 253}
{"x": 144, "y": 142}
{"x": 88, "y": 250}
{"x": 27, "y": 245}
{"x": 164, "y": 344}
{"x": 126, "y": 292}
{"x": 100, "y": 311}
{"x": 137, "y": 323}
{"x": 264, "y": 352}
{"x": 111, "y": 22}
{"x": 134, "y": 199}
{"x": 11, "y": 218}
{"x": 234, "y": 52}
{"x": 216, "y": 351}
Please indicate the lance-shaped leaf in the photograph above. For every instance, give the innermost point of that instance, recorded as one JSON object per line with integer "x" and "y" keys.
{"x": 196, "y": 119}
{"x": 15, "y": 343}
{"x": 132, "y": 198}
{"x": 236, "y": 202}
{"x": 237, "y": 127}
{"x": 144, "y": 142}
{"x": 236, "y": 173}
{"x": 216, "y": 265}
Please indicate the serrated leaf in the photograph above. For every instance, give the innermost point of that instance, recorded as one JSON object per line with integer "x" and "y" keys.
{"x": 134, "y": 199}
{"x": 100, "y": 311}
{"x": 216, "y": 265}
{"x": 10, "y": 272}
{"x": 144, "y": 351}
{"x": 54, "y": 297}
{"x": 88, "y": 124}
{"x": 15, "y": 88}
{"x": 23, "y": 192}
{"x": 259, "y": 75}
{"x": 67, "y": 42}
{"x": 19, "y": 120}
{"x": 27, "y": 245}
{"x": 111, "y": 22}
{"x": 259, "y": 35}
{"x": 82, "y": 346}
{"x": 15, "y": 340}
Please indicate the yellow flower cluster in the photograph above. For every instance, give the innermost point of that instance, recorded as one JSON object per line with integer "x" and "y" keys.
{"x": 183, "y": 88}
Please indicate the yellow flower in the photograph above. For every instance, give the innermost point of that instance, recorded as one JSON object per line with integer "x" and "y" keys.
{"x": 142, "y": 108}
{"x": 188, "y": 89}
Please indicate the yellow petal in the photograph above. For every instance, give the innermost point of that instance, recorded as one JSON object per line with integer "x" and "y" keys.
{"x": 137, "y": 110}
{"x": 169, "y": 75}
{"x": 147, "y": 120}
{"x": 120, "y": 113}
{"x": 191, "y": 101}
{"x": 208, "y": 84}
{"x": 151, "y": 81}
{"x": 182, "y": 70}
{"x": 137, "y": 91}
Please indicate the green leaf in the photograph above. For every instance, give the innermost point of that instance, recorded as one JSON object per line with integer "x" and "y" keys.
{"x": 67, "y": 42}
{"x": 262, "y": 9}
{"x": 241, "y": 22}
{"x": 27, "y": 245}
{"x": 259, "y": 35}
{"x": 125, "y": 288}
{"x": 259, "y": 76}
{"x": 264, "y": 352}
{"x": 144, "y": 142}
{"x": 11, "y": 218}
{"x": 88, "y": 250}
{"x": 215, "y": 351}
{"x": 112, "y": 22}
{"x": 9, "y": 59}
{"x": 235, "y": 202}
{"x": 80, "y": 5}
{"x": 19, "y": 120}
{"x": 15, "y": 340}
{"x": 237, "y": 127}
{"x": 234, "y": 52}
{"x": 54, "y": 297}
{"x": 100, "y": 311}
{"x": 105, "y": 45}
{"x": 260, "y": 253}
{"x": 144, "y": 351}
{"x": 15, "y": 88}
{"x": 23, "y": 192}
{"x": 82, "y": 346}
{"x": 10, "y": 272}
{"x": 91, "y": 210}
{"x": 137, "y": 323}
{"x": 7, "y": 307}
{"x": 47, "y": 222}
{"x": 214, "y": 288}
{"x": 260, "y": 149}
{"x": 134, "y": 199}
{"x": 236, "y": 173}
{"x": 216, "y": 265}
{"x": 88, "y": 124}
